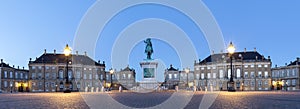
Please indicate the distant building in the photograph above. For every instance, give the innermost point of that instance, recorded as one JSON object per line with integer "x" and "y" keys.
{"x": 13, "y": 79}
{"x": 175, "y": 77}
{"x": 251, "y": 71}
{"x": 125, "y": 78}
{"x": 286, "y": 77}
{"x": 48, "y": 73}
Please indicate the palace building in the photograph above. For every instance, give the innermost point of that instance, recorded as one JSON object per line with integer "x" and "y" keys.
{"x": 13, "y": 79}
{"x": 175, "y": 77}
{"x": 48, "y": 73}
{"x": 251, "y": 71}
{"x": 286, "y": 77}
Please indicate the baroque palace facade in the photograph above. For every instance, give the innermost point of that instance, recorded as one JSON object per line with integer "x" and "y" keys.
{"x": 48, "y": 73}
{"x": 13, "y": 79}
{"x": 251, "y": 71}
{"x": 286, "y": 77}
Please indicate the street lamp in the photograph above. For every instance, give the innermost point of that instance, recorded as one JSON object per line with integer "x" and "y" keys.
{"x": 187, "y": 70}
{"x": 11, "y": 87}
{"x": 67, "y": 52}
{"x": 231, "y": 50}
{"x": 111, "y": 72}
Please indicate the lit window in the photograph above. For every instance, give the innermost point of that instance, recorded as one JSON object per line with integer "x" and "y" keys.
{"x": 259, "y": 66}
{"x": 124, "y": 76}
{"x": 197, "y": 68}
{"x": 246, "y": 66}
{"x": 208, "y": 75}
{"x": 229, "y": 73}
{"x": 202, "y": 75}
{"x": 221, "y": 74}
{"x": 197, "y": 76}
{"x": 259, "y": 74}
{"x": 84, "y": 76}
{"x": 214, "y": 75}
{"x": 266, "y": 74}
{"x": 101, "y": 77}
{"x": 266, "y": 66}
{"x": 252, "y": 66}
{"x": 238, "y": 73}
{"x": 246, "y": 74}
{"x": 129, "y": 76}
{"x": 208, "y": 68}
{"x": 170, "y": 76}
{"x": 202, "y": 68}
{"x": 33, "y": 67}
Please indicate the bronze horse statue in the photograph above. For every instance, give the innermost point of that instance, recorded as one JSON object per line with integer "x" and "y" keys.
{"x": 148, "y": 49}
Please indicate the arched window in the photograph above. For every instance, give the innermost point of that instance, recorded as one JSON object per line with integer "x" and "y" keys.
{"x": 61, "y": 74}
{"x": 238, "y": 73}
{"x": 70, "y": 74}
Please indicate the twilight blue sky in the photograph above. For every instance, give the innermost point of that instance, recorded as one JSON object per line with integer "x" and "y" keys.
{"x": 29, "y": 27}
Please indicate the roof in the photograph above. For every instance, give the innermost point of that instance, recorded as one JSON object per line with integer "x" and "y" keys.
{"x": 296, "y": 62}
{"x": 172, "y": 68}
{"x": 50, "y": 58}
{"x": 245, "y": 56}
{"x": 5, "y": 65}
{"x": 128, "y": 69}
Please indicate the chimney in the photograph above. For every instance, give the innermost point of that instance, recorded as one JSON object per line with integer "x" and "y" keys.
{"x": 298, "y": 59}
{"x": 285, "y": 64}
{"x": 269, "y": 57}
{"x": 23, "y": 68}
{"x": 1, "y": 60}
{"x": 245, "y": 50}
{"x": 30, "y": 59}
{"x": 54, "y": 52}
{"x": 103, "y": 62}
{"x": 77, "y": 53}
{"x": 213, "y": 52}
{"x": 291, "y": 62}
{"x": 85, "y": 53}
{"x": 98, "y": 61}
{"x": 254, "y": 49}
{"x": 276, "y": 66}
{"x": 45, "y": 51}
{"x": 18, "y": 67}
{"x": 13, "y": 66}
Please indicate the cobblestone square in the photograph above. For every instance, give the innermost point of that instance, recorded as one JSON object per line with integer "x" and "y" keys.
{"x": 224, "y": 100}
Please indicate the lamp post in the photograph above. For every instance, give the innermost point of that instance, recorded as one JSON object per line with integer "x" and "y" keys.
{"x": 111, "y": 72}
{"x": 231, "y": 50}
{"x": 67, "y": 52}
{"x": 187, "y": 70}
{"x": 56, "y": 88}
{"x": 11, "y": 87}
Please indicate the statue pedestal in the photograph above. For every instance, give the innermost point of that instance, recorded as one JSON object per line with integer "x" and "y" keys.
{"x": 149, "y": 80}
